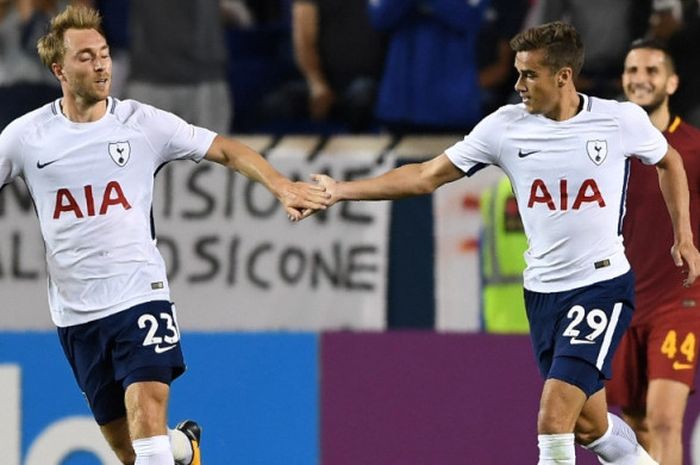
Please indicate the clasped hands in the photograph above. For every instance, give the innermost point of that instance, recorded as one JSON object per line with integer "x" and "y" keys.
{"x": 302, "y": 199}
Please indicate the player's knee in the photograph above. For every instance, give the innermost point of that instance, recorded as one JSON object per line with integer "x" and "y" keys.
{"x": 587, "y": 432}
{"x": 661, "y": 423}
{"x": 551, "y": 421}
{"x": 146, "y": 405}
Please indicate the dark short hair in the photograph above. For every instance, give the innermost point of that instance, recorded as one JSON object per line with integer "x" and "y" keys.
{"x": 654, "y": 44}
{"x": 560, "y": 41}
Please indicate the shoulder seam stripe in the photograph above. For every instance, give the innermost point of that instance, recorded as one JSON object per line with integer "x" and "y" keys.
{"x": 674, "y": 125}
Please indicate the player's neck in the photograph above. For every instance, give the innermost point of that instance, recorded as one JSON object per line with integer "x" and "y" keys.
{"x": 569, "y": 106}
{"x": 661, "y": 117}
{"x": 79, "y": 111}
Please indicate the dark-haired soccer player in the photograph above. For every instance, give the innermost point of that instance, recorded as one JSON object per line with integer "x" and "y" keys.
{"x": 567, "y": 156}
{"x": 654, "y": 367}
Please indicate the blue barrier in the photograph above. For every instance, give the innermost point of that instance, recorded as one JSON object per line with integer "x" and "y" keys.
{"x": 256, "y": 395}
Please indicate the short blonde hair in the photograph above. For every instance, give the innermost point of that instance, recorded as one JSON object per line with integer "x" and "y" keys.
{"x": 51, "y": 46}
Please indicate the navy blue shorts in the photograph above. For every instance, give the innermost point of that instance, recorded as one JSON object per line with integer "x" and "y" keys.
{"x": 107, "y": 355}
{"x": 584, "y": 324}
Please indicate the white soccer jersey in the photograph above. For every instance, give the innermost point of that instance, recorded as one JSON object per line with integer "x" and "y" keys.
{"x": 570, "y": 180}
{"x": 92, "y": 185}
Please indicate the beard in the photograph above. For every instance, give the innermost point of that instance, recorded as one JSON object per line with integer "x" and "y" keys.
{"x": 90, "y": 93}
{"x": 654, "y": 105}
{"x": 657, "y": 100}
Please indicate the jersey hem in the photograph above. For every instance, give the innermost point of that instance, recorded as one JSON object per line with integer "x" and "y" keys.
{"x": 87, "y": 317}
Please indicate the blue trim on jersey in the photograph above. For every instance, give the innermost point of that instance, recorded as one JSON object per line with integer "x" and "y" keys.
{"x": 590, "y": 103}
{"x": 114, "y": 104}
{"x": 153, "y": 220}
{"x": 623, "y": 200}
{"x": 54, "y": 110}
{"x": 476, "y": 168}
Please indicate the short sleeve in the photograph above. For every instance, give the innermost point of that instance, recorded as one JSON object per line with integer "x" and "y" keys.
{"x": 10, "y": 151}
{"x": 640, "y": 137}
{"x": 481, "y": 146}
{"x": 173, "y": 138}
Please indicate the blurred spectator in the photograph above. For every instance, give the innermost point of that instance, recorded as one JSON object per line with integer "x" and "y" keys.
{"x": 260, "y": 47}
{"x": 25, "y": 84}
{"x": 497, "y": 76}
{"x": 430, "y": 80}
{"x": 178, "y": 60}
{"x": 502, "y": 248}
{"x": 340, "y": 57}
{"x": 607, "y": 28}
{"x": 677, "y": 23}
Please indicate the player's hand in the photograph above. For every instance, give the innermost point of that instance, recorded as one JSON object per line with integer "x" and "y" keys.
{"x": 321, "y": 99}
{"x": 686, "y": 252}
{"x": 329, "y": 186}
{"x": 299, "y": 197}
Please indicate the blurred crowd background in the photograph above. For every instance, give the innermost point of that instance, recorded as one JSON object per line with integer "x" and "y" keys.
{"x": 340, "y": 66}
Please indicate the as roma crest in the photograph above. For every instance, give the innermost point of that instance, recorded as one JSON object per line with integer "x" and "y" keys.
{"x": 597, "y": 150}
{"x": 120, "y": 152}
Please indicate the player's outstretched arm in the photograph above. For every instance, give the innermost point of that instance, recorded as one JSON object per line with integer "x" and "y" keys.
{"x": 674, "y": 186}
{"x": 405, "y": 181}
{"x": 294, "y": 196}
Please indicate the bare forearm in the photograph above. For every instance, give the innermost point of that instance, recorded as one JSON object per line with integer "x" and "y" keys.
{"x": 395, "y": 184}
{"x": 404, "y": 181}
{"x": 305, "y": 39}
{"x": 674, "y": 187}
{"x": 239, "y": 157}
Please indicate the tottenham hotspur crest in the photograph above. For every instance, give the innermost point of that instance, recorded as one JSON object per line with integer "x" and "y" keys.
{"x": 120, "y": 152}
{"x": 597, "y": 150}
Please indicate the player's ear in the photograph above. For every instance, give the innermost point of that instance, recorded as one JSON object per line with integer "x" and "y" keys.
{"x": 564, "y": 75}
{"x": 672, "y": 84}
{"x": 57, "y": 70}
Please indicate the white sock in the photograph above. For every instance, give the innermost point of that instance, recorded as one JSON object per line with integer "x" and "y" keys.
{"x": 644, "y": 458}
{"x": 153, "y": 451}
{"x": 181, "y": 447}
{"x": 556, "y": 449}
{"x": 619, "y": 446}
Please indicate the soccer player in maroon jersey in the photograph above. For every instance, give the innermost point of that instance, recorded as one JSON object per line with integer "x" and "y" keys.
{"x": 655, "y": 364}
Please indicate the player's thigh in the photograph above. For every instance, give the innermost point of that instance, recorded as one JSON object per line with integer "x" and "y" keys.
{"x": 672, "y": 351}
{"x": 147, "y": 406}
{"x": 627, "y": 387}
{"x": 666, "y": 403}
{"x": 88, "y": 349}
{"x": 147, "y": 347}
{"x": 585, "y": 324}
{"x": 594, "y": 320}
{"x": 560, "y": 405}
{"x": 592, "y": 422}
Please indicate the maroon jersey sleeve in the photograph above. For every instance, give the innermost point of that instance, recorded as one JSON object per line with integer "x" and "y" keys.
{"x": 648, "y": 231}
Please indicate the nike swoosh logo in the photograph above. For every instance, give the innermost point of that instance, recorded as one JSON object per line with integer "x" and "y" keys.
{"x": 160, "y": 350}
{"x": 41, "y": 165}
{"x": 522, "y": 154}
{"x": 682, "y": 366}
